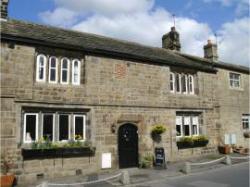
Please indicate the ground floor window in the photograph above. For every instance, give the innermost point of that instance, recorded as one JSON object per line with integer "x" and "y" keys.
{"x": 53, "y": 126}
{"x": 187, "y": 125}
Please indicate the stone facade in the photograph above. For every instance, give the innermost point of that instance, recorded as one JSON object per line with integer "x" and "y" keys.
{"x": 112, "y": 92}
{"x": 233, "y": 103}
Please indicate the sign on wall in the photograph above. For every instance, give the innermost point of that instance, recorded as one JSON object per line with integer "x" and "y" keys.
{"x": 106, "y": 160}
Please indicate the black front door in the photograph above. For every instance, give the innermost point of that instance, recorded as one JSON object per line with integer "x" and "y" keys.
{"x": 128, "y": 146}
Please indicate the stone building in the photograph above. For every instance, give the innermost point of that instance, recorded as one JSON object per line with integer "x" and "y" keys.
{"x": 62, "y": 83}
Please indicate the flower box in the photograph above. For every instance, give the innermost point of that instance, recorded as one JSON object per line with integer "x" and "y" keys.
{"x": 57, "y": 152}
{"x": 192, "y": 142}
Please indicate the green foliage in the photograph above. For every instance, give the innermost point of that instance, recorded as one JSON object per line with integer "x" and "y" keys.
{"x": 46, "y": 143}
{"x": 193, "y": 141}
{"x": 158, "y": 129}
{"x": 146, "y": 160}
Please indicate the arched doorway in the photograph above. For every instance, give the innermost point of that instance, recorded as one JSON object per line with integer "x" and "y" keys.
{"x": 128, "y": 146}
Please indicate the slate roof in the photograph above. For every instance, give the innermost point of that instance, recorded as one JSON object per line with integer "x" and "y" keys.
{"x": 21, "y": 31}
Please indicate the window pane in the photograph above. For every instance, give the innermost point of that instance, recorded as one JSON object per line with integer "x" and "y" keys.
{"x": 48, "y": 126}
{"x": 64, "y": 75}
{"x": 177, "y": 82}
{"x": 183, "y": 82}
{"x": 52, "y": 75}
{"x": 53, "y": 63}
{"x": 30, "y": 128}
{"x": 76, "y": 72}
{"x": 79, "y": 126}
{"x": 194, "y": 129}
{"x": 63, "y": 127}
{"x": 65, "y": 64}
{"x": 178, "y": 130}
{"x": 186, "y": 130}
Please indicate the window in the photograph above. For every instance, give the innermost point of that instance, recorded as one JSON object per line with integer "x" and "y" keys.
{"x": 53, "y": 70}
{"x": 41, "y": 68}
{"x": 172, "y": 82}
{"x": 54, "y": 126}
{"x": 79, "y": 127}
{"x": 178, "y": 82}
{"x": 187, "y": 125}
{"x": 65, "y": 71}
{"x": 179, "y": 126}
{"x": 181, "y": 83}
{"x": 184, "y": 83}
{"x": 195, "y": 126}
{"x": 234, "y": 80}
{"x": 191, "y": 84}
{"x": 64, "y": 128}
{"x": 48, "y": 127}
{"x": 245, "y": 121}
{"x": 30, "y": 127}
{"x": 76, "y": 72}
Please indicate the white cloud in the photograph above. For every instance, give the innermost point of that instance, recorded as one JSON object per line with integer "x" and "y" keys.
{"x": 143, "y": 23}
{"x": 60, "y": 17}
{"x": 106, "y": 7}
{"x": 234, "y": 45}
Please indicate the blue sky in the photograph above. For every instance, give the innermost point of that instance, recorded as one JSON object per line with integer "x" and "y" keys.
{"x": 145, "y": 21}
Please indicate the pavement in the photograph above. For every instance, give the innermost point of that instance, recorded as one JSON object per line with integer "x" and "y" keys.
{"x": 138, "y": 176}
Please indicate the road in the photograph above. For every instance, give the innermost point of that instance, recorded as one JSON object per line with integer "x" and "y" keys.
{"x": 229, "y": 176}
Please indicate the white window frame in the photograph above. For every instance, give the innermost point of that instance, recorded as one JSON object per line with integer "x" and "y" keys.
{"x": 84, "y": 126}
{"x": 180, "y": 86}
{"x": 42, "y": 126}
{"x": 62, "y": 69}
{"x": 56, "y": 70}
{"x": 69, "y": 125}
{"x": 24, "y": 127}
{"x": 78, "y": 72}
{"x": 181, "y": 119}
{"x": 234, "y": 80}
{"x": 38, "y": 68}
{"x": 189, "y": 125}
{"x": 186, "y": 83}
{"x": 191, "y": 82}
{"x": 245, "y": 118}
{"x": 197, "y": 125}
{"x": 172, "y": 82}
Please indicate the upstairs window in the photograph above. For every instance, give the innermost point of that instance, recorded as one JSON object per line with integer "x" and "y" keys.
{"x": 245, "y": 121}
{"x": 181, "y": 83}
{"x": 65, "y": 71}
{"x": 76, "y": 72}
{"x": 53, "y": 70}
{"x": 234, "y": 80}
{"x": 41, "y": 61}
{"x": 172, "y": 82}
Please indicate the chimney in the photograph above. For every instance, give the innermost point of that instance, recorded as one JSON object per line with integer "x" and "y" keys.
{"x": 210, "y": 51}
{"x": 171, "y": 40}
{"x": 4, "y": 9}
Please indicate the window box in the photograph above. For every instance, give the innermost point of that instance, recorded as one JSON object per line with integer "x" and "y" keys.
{"x": 57, "y": 152}
{"x": 192, "y": 142}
